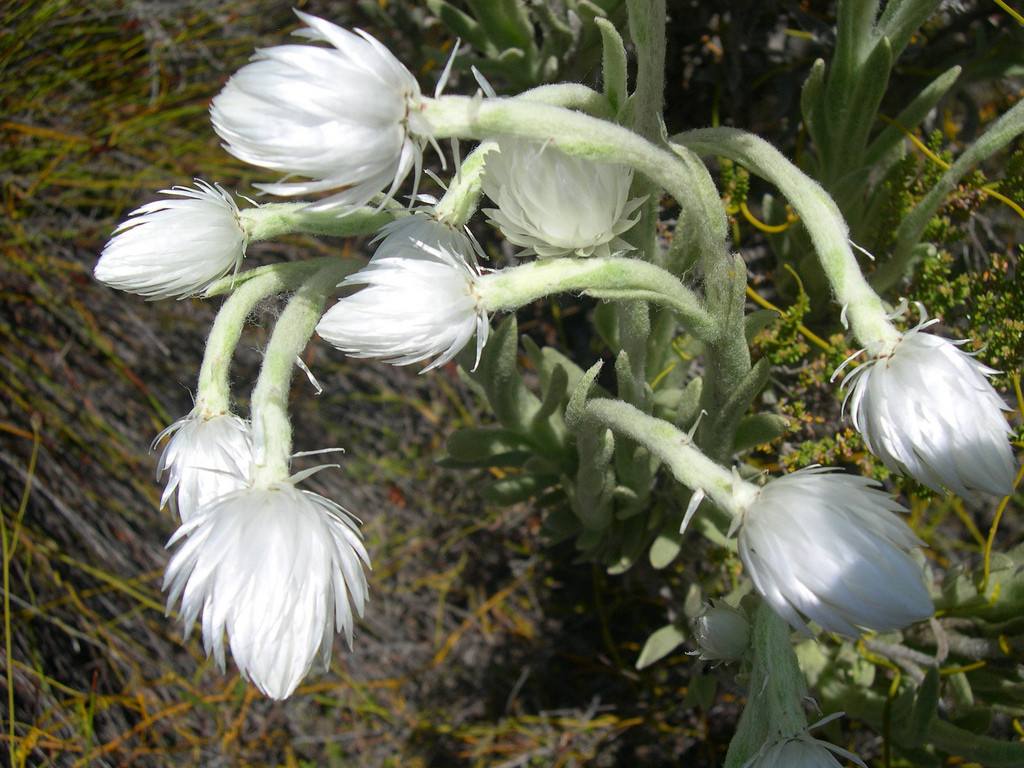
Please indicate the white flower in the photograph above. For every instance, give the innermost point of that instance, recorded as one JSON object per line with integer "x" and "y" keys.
{"x": 420, "y": 301}
{"x": 554, "y": 204}
{"x": 828, "y": 547}
{"x": 205, "y": 458}
{"x": 279, "y": 570}
{"x": 722, "y": 632}
{"x": 175, "y": 247}
{"x": 926, "y": 409}
{"x": 344, "y": 116}
{"x": 801, "y": 752}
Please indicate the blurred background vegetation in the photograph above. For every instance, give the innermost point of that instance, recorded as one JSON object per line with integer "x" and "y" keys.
{"x": 483, "y": 644}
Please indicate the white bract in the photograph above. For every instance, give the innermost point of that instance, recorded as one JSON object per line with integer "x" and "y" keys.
{"x": 175, "y": 247}
{"x": 829, "y": 547}
{"x": 554, "y": 204}
{"x": 420, "y": 299}
{"x": 344, "y": 116}
{"x": 279, "y": 570}
{"x": 722, "y": 632}
{"x": 205, "y": 458}
{"x": 927, "y": 409}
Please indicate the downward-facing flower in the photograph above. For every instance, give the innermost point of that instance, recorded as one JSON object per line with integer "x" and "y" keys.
{"x": 175, "y": 246}
{"x": 829, "y": 547}
{"x": 205, "y": 458}
{"x": 554, "y": 204}
{"x": 927, "y": 409}
{"x": 802, "y": 751}
{"x": 276, "y": 568}
{"x": 420, "y": 299}
{"x": 343, "y": 116}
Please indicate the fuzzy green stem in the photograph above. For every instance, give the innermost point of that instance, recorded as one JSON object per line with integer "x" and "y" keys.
{"x": 213, "y": 395}
{"x": 777, "y": 688}
{"x": 584, "y": 136}
{"x": 460, "y": 201}
{"x": 271, "y": 427}
{"x": 271, "y": 220}
{"x": 611, "y": 278}
{"x": 822, "y": 219}
{"x": 570, "y": 96}
{"x": 674, "y": 447}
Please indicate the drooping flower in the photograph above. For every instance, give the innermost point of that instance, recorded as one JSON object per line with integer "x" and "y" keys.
{"x": 803, "y": 751}
{"x": 828, "y": 547}
{"x": 722, "y": 632}
{"x": 927, "y": 409}
{"x": 175, "y": 247}
{"x": 205, "y": 458}
{"x": 276, "y": 568}
{"x": 420, "y": 301}
{"x": 344, "y": 116}
{"x": 554, "y": 204}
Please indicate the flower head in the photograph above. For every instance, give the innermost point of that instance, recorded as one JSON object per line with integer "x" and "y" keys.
{"x": 343, "y": 116}
{"x": 722, "y": 632}
{"x": 279, "y": 570}
{"x": 554, "y": 204}
{"x": 177, "y": 246}
{"x": 802, "y": 752}
{"x": 927, "y": 409}
{"x": 420, "y": 301}
{"x": 205, "y": 458}
{"x": 829, "y": 547}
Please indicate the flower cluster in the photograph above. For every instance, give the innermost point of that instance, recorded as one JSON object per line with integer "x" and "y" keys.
{"x": 277, "y": 570}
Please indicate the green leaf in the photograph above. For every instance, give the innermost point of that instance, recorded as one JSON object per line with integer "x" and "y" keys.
{"x": 475, "y": 443}
{"x": 757, "y": 321}
{"x": 909, "y": 118}
{"x": 812, "y": 104}
{"x": 701, "y": 690}
{"x": 554, "y": 394}
{"x": 925, "y": 706}
{"x": 632, "y": 544}
{"x": 578, "y": 399}
{"x": 689, "y": 403}
{"x": 606, "y": 324}
{"x": 511, "y": 490}
{"x": 613, "y": 64}
{"x": 665, "y": 548}
{"x": 660, "y": 644}
{"x": 511, "y": 401}
{"x": 506, "y": 22}
{"x": 462, "y": 25}
{"x": 757, "y": 429}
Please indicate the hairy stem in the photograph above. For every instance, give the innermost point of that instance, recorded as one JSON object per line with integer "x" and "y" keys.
{"x": 271, "y": 427}
{"x": 822, "y": 219}
{"x": 615, "y": 278}
{"x": 214, "y": 391}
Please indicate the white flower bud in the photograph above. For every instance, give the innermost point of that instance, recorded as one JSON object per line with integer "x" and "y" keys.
{"x": 205, "y": 458}
{"x": 828, "y": 547}
{"x": 175, "y": 247}
{"x": 722, "y": 632}
{"x": 926, "y": 409}
{"x": 343, "y": 116}
{"x": 554, "y": 204}
{"x": 279, "y": 570}
{"x": 420, "y": 301}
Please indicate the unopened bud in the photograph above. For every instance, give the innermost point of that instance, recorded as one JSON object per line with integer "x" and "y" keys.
{"x": 722, "y": 632}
